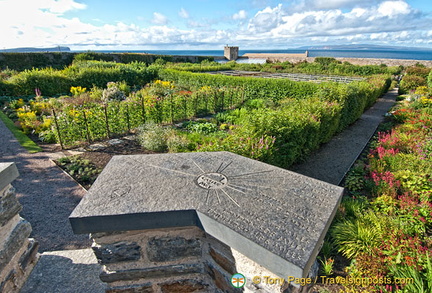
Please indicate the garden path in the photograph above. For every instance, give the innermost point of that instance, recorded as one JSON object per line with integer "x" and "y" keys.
{"x": 333, "y": 160}
{"x": 47, "y": 195}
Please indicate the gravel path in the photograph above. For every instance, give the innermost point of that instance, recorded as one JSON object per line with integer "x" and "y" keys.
{"x": 331, "y": 162}
{"x": 47, "y": 195}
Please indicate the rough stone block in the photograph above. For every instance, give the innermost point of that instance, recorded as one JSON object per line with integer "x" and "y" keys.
{"x": 117, "y": 252}
{"x": 30, "y": 254}
{"x": 8, "y": 173}
{"x": 9, "y": 205}
{"x": 14, "y": 242}
{"x": 223, "y": 261}
{"x": 184, "y": 286}
{"x": 153, "y": 272}
{"x": 143, "y": 288}
{"x": 7, "y": 284}
{"x": 221, "y": 280}
{"x": 169, "y": 249}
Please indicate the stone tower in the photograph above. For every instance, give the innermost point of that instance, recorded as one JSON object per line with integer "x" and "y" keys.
{"x": 231, "y": 53}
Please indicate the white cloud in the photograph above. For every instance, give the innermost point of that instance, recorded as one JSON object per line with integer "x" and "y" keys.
{"x": 387, "y": 17}
{"x": 266, "y": 20}
{"x": 240, "y": 15}
{"x": 310, "y": 5}
{"x": 61, "y": 6}
{"x": 183, "y": 13}
{"x": 43, "y": 23}
{"x": 159, "y": 18}
{"x": 393, "y": 8}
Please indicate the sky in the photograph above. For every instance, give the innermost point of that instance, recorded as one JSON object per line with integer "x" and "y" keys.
{"x": 211, "y": 24}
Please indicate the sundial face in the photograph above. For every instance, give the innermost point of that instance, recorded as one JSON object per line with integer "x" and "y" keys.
{"x": 283, "y": 213}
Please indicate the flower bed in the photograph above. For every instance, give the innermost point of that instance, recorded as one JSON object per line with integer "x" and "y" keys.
{"x": 385, "y": 227}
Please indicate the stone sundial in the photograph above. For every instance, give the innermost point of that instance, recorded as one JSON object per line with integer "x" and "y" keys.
{"x": 273, "y": 216}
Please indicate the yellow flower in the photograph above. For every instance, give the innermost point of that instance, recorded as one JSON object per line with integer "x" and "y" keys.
{"x": 77, "y": 90}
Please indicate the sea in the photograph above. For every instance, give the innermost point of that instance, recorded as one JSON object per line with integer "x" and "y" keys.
{"x": 417, "y": 54}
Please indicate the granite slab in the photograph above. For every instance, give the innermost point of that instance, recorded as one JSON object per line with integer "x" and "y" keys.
{"x": 276, "y": 217}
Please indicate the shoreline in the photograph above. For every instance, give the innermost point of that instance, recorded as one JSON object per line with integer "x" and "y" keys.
{"x": 295, "y": 58}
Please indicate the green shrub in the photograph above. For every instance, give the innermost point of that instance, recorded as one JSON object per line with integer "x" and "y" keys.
{"x": 49, "y": 81}
{"x": 6, "y": 88}
{"x": 27, "y": 61}
{"x": 421, "y": 279}
{"x": 418, "y": 71}
{"x": 153, "y": 137}
{"x": 411, "y": 82}
{"x": 360, "y": 235}
{"x": 252, "y": 88}
{"x": 201, "y": 127}
{"x": 81, "y": 169}
{"x": 430, "y": 80}
{"x": 82, "y": 73}
{"x": 178, "y": 143}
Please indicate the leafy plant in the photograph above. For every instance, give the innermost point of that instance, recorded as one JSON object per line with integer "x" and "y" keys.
{"x": 415, "y": 280}
{"x": 359, "y": 235}
{"x": 81, "y": 169}
{"x": 355, "y": 179}
{"x": 327, "y": 266}
{"x": 153, "y": 137}
{"x": 201, "y": 127}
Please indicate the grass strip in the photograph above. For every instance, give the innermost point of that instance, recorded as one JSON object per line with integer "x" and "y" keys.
{"x": 23, "y": 139}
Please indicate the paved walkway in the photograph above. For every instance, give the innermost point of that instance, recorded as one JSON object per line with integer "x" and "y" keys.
{"x": 66, "y": 271}
{"x": 334, "y": 159}
{"x": 47, "y": 195}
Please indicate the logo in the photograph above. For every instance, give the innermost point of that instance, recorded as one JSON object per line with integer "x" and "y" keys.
{"x": 212, "y": 180}
{"x": 238, "y": 280}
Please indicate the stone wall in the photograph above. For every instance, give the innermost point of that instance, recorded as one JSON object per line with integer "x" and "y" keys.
{"x": 174, "y": 260}
{"x": 18, "y": 253}
{"x": 356, "y": 61}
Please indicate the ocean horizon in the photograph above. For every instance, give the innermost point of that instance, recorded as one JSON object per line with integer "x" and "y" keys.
{"x": 380, "y": 54}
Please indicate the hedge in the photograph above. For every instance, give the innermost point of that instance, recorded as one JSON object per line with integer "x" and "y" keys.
{"x": 85, "y": 74}
{"x": 60, "y": 60}
{"x": 299, "y": 126}
{"x": 274, "y": 89}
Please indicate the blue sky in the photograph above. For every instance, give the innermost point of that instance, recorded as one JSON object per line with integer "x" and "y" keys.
{"x": 209, "y": 24}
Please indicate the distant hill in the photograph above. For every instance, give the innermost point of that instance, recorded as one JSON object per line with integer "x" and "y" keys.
{"x": 36, "y": 50}
{"x": 365, "y": 47}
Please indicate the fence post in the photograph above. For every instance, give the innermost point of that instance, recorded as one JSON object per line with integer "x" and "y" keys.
{"x": 58, "y": 128}
{"x": 86, "y": 126}
{"x": 106, "y": 120}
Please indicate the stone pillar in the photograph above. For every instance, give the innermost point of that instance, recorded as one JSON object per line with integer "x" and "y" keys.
{"x": 18, "y": 253}
{"x": 177, "y": 260}
{"x": 188, "y": 222}
{"x": 163, "y": 260}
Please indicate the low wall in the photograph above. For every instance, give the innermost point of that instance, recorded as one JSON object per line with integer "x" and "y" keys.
{"x": 292, "y": 58}
{"x": 18, "y": 253}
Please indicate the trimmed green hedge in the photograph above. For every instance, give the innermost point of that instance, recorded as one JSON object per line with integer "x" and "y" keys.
{"x": 23, "y": 61}
{"x": 60, "y": 60}
{"x": 85, "y": 73}
{"x": 299, "y": 126}
{"x": 49, "y": 81}
{"x": 275, "y": 89}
